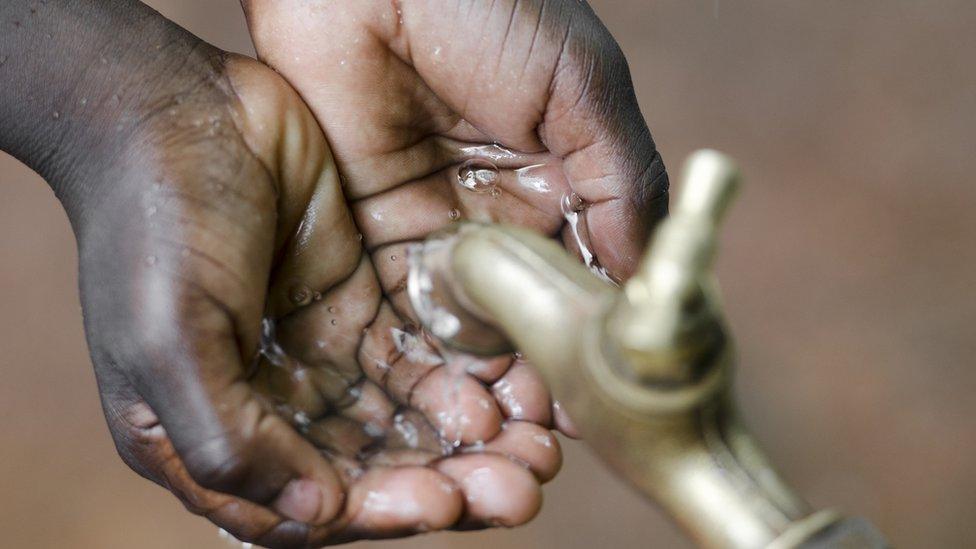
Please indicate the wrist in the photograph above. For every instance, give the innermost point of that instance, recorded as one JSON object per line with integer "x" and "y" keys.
{"x": 82, "y": 81}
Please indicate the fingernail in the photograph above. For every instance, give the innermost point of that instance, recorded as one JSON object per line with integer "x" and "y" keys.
{"x": 300, "y": 500}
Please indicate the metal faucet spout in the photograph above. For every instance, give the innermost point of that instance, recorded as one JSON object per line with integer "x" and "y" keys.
{"x": 645, "y": 372}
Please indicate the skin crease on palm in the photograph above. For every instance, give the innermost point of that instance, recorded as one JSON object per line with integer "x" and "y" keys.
{"x": 212, "y": 212}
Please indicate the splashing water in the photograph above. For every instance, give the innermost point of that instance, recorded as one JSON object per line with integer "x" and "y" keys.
{"x": 506, "y": 396}
{"x": 269, "y": 348}
{"x": 407, "y": 430}
{"x": 414, "y": 348}
{"x": 574, "y": 209}
{"x": 441, "y": 322}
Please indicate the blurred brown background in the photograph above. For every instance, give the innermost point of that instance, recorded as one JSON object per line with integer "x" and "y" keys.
{"x": 849, "y": 269}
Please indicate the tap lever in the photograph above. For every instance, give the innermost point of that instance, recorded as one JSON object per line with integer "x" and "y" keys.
{"x": 668, "y": 317}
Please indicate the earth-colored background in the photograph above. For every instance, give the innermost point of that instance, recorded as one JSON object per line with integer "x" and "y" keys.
{"x": 849, "y": 270}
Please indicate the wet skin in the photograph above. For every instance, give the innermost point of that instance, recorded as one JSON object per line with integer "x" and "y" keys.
{"x": 212, "y": 201}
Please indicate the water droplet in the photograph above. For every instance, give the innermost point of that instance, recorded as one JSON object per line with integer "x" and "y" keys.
{"x": 82, "y": 102}
{"x": 373, "y": 430}
{"x": 56, "y": 115}
{"x": 332, "y": 309}
{"x": 334, "y": 322}
{"x": 393, "y": 258}
{"x": 443, "y": 324}
{"x": 478, "y": 175}
{"x": 359, "y": 237}
{"x": 300, "y": 295}
{"x": 302, "y": 420}
{"x": 454, "y": 214}
{"x": 543, "y": 440}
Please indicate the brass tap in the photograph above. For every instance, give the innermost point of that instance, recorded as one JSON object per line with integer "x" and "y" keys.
{"x": 644, "y": 371}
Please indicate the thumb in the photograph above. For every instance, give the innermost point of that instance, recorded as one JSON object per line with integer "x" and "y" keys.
{"x": 189, "y": 370}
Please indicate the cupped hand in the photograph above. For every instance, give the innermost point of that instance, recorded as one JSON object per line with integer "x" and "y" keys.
{"x": 409, "y": 90}
{"x": 438, "y": 111}
{"x": 247, "y": 355}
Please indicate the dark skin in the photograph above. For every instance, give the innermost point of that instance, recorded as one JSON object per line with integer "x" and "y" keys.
{"x": 204, "y": 198}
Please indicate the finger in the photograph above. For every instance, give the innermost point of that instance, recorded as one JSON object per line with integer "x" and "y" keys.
{"x": 497, "y": 492}
{"x": 403, "y": 457}
{"x": 486, "y": 370}
{"x": 316, "y": 241}
{"x": 412, "y": 431}
{"x": 563, "y": 423}
{"x": 292, "y": 388}
{"x": 143, "y": 444}
{"x": 528, "y": 444}
{"x": 522, "y": 394}
{"x": 396, "y": 357}
{"x": 388, "y": 502}
{"x": 228, "y": 438}
{"x": 339, "y": 435}
{"x": 458, "y": 406}
{"x": 152, "y": 452}
{"x": 372, "y": 409}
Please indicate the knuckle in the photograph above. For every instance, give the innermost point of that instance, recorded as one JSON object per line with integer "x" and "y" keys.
{"x": 219, "y": 465}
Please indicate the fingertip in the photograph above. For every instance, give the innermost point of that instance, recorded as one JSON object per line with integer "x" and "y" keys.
{"x": 299, "y": 500}
{"x": 563, "y": 423}
{"x": 497, "y": 492}
{"x": 404, "y": 500}
{"x": 522, "y": 394}
{"x": 530, "y": 444}
{"x": 458, "y": 406}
